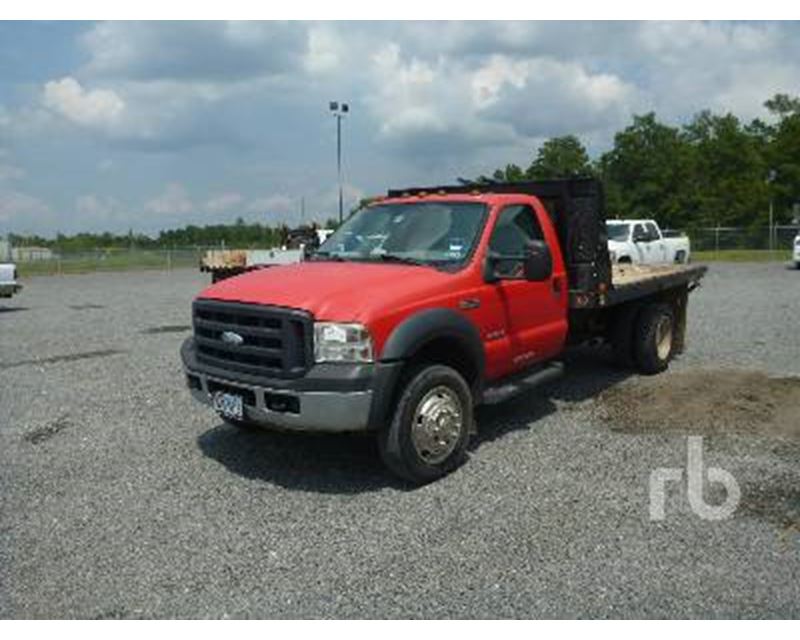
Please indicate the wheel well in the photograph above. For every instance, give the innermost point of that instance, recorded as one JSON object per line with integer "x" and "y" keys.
{"x": 450, "y": 352}
{"x": 624, "y": 260}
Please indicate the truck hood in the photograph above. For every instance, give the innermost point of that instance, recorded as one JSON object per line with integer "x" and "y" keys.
{"x": 6, "y": 272}
{"x": 339, "y": 291}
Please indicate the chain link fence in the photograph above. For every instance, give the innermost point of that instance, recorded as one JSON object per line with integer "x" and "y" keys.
{"x": 54, "y": 263}
{"x": 754, "y": 243}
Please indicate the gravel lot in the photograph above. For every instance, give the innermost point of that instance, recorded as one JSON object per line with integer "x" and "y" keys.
{"x": 122, "y": 498}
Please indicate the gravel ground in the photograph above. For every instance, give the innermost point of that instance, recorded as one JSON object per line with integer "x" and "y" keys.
{"x": 123, "y": 498}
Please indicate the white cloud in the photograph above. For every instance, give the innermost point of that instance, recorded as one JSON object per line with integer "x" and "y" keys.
{"x": 211, "y": 51}
{"x": 543, "y": 97}
{"x": 224, "y": 203}
{"x": 276, "y": 204}
{"x": 325, "y": 50}
{"x": 21, "y": 208}
{"x": 173, "y": 200}
{"x": 92, "y": 108}
{"x": 94, "y": 211}
{"x": 9, "y": 172}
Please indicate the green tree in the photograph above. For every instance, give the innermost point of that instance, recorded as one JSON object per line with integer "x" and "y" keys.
{"x": 729, "y": 177}
{"x": 783, "y": 155}
{"x": 511, "y": 173}
{"x": 648, "y": 173}
{"x": 561, "y": 157}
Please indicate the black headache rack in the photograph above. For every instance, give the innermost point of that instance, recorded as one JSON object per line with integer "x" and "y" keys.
{"x": 577, "y": 209}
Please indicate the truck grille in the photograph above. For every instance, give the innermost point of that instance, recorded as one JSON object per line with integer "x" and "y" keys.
{"x": 261, "y": 340}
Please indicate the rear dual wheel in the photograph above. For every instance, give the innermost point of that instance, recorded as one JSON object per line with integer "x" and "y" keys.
{"x": 644, "y": 337}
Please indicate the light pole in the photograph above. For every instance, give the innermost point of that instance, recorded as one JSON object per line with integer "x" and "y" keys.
{"x": 339, "y": 110}
{"x": 770, "y": 179}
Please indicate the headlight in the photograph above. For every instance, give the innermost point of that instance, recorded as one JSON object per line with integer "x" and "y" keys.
{"x": 341, "y": 342}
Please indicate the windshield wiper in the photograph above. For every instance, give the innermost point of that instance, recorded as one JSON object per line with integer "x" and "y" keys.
{"x": 324, "y": 255}
{"x": 391, "y": 257}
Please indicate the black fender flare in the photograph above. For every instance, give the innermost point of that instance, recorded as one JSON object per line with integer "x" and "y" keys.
{"x": 417, "y": 330}
{"x": 411, "y": 335}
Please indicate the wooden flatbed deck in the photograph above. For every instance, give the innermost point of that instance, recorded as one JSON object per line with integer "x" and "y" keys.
{"x": 627, "y": 274}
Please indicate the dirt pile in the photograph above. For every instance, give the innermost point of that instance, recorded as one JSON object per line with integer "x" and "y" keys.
{"x": 706, "y": 402}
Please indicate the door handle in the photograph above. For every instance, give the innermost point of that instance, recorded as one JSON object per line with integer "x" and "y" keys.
{"x": 556, "y": 284}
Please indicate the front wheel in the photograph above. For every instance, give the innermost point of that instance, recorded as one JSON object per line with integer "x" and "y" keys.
{"x": 429, "y": 432}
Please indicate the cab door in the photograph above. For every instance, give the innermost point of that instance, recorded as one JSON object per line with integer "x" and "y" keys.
{"x": 535, "y": 312}
{"x": 658, "y": 246}
{"x": 641, "y": 245}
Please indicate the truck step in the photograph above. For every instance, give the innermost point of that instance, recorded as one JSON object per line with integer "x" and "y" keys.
{"x": 510, "y": 388}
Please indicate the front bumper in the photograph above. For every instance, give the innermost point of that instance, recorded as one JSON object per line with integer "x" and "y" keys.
{"x": 330, "y": 398}
{"x": 9, "y": 289}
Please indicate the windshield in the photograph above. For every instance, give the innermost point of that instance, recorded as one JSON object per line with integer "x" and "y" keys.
{"x": 618, "y": 231}
{"x": 429, "y": 233}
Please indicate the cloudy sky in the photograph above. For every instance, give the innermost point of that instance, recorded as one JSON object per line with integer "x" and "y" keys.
{"x": 111, "y": 126}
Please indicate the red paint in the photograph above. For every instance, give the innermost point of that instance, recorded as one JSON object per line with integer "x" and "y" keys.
{"x": 520, "y": 322}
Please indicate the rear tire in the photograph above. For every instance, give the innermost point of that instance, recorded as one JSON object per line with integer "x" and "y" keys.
{"x": 654, "y": 338}
{"x": 428, "y": 435}
{"x": 680, "y": 257}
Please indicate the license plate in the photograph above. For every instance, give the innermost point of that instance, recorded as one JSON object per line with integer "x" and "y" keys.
{"x": 228, "y": 405}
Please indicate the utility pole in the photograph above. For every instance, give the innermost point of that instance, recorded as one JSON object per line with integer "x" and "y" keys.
{"x": 339, "y": 110}
{"x": 770, "y": 179}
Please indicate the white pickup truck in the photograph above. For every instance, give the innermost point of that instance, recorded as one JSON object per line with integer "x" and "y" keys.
{"x": 796, "y": 251}
{"x": 8, "y": 280}
{"x": 642, "y": 242}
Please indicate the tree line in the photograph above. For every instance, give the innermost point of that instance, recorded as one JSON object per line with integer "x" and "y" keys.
{"x": 239, "y": 234}
{"x": 714, "y": 171}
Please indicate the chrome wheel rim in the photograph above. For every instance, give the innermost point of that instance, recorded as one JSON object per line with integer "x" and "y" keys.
{"x": 437, "y": 424}
{"x": 664, "y": 337}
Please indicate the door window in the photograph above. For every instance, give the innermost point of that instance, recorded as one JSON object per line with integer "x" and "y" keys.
{"x": 516, "y": 226}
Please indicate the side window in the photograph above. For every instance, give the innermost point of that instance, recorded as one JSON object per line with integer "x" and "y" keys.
{"x": 516, "y": 226}
{"x": 652, "y": 232}
{"x": 638, "y": 232}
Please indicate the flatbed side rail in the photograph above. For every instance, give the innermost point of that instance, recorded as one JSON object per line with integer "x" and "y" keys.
{"x": 642, "y": 286}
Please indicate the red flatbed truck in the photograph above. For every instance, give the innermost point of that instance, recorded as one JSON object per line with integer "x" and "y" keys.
{"x": 422, "y": 306}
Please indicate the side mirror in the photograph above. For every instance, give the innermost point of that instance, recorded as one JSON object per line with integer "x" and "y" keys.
{"x": 535, "y": 264}
{"x": 538, "y": 263}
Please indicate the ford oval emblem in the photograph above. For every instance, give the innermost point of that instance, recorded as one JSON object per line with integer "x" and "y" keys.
{"x": 232, "y": 338}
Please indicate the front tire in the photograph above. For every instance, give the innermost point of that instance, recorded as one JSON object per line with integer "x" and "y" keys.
{"x": 428, "y": 435}
{"x": 654, "y": 338}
